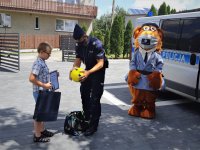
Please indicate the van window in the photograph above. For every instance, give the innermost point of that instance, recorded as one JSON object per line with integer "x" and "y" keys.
{"x": 170, "y": 29}
{"x": 181, "y": 34}
{"x": 190, "y": 36}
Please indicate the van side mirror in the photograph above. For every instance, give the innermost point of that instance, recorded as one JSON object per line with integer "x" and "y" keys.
{"x": 193, "y": 58}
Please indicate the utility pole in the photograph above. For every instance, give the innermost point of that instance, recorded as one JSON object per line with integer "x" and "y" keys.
{"x": 113, "y": 9}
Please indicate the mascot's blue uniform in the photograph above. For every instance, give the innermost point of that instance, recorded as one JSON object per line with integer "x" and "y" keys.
{"x": 154, "y": 63}
{"x": 92, "y": 88}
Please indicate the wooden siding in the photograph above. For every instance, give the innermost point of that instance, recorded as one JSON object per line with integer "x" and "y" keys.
{"x": 28, "y": 41}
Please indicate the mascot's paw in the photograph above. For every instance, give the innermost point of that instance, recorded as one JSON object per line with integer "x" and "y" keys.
{"x": 133, "y": 77}
{"x": 147, "y": 114}
{"x": 155, "y": 80}
{"x": 132, "y": 90}
{"x": 134, "y": 111}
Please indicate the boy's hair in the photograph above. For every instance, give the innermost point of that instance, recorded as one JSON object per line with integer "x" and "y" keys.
{"x": 43, "y": 47}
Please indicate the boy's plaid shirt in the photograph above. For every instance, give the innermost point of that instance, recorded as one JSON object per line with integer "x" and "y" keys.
{"x": 41, "y": 71}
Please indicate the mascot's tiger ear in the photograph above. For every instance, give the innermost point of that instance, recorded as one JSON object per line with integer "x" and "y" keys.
{"x": 160, "y": 32}
{"x": 136, "y": 32}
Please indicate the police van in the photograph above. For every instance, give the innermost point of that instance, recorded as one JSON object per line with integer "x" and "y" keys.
{"x": 181, "y": 51}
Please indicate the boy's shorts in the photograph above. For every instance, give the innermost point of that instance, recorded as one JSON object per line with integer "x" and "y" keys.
{"x": 35, "y": 95}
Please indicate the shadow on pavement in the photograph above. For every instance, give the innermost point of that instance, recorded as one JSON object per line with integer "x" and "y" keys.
{"x": 116, "y": 131}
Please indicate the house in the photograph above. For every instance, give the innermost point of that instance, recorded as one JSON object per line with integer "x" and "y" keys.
{"x": 134, "y": 13}
{"x": 44, "y": 20}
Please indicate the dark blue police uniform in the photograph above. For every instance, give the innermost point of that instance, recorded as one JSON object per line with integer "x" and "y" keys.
{"x": 92, "y": 88}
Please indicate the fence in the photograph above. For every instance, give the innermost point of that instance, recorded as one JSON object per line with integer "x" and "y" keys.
{"x": 9, "y": 51}
{"x": 67, "y": 45}
{"x": 28, "y": 41}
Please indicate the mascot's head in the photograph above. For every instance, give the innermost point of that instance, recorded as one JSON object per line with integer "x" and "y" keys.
{"x": 148, "y": 36}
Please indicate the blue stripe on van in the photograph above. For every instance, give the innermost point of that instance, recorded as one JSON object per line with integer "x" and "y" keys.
{"x": 178, "y": 57}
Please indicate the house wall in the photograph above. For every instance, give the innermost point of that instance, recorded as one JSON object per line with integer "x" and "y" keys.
{"x": 87, "y": 2}
{"x": 25, "y": 23}
{"x": 82, "y": 2}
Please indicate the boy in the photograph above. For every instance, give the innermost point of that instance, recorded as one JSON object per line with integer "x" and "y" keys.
{"x": 39, "y": 76}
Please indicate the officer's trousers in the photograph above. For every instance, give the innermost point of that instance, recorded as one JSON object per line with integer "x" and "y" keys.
{"x": 91, "y": 91}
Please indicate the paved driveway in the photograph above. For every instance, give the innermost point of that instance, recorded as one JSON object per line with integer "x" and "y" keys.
{"x": 176, "y": 127}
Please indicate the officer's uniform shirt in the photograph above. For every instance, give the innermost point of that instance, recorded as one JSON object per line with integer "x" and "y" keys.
{"x": 91, "y": 52}
{"x": 154, "y": 63}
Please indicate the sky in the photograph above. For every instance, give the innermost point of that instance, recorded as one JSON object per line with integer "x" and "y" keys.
{"x": 105, "y": 6}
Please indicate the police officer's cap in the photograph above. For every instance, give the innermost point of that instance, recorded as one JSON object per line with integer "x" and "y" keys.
{"x": 78, "y": 32}
{"x": 150, "y": 24}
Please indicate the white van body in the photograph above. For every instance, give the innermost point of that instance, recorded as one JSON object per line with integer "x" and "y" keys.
{"x": 181, "y": 51}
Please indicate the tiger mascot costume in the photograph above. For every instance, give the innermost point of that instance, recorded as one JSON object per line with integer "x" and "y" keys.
{"x": 145, "y": 76}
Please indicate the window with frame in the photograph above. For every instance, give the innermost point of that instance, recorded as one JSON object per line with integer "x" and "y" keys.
{"x": 5, "y": 20}
{"x": 65, "y": 25}
{"x": 190, "y": 35}
{"x": 37, "y": 23}
{"x": 181, "y": 34}
{"x": 69, "y": 1}
{"x": 170, "y": 30}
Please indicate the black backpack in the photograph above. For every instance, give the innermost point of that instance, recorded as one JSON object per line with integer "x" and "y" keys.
{"x": 75, "y": 122}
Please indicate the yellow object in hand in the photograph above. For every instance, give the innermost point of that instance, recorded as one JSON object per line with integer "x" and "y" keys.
{"x": 76, "y": 74}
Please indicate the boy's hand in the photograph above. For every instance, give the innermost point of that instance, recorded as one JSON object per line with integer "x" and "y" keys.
{"x": 47, "y": 85}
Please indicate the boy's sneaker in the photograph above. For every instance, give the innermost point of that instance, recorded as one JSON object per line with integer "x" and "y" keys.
{"x": 47, "y": 133}
{"x": 41, "y": 139}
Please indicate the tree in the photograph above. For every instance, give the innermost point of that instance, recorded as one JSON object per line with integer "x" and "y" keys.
{"x": 107, "y": 42}
{"x": 120, "y": 11}
{"x": 121, "y": 31}
{"x": 99, "y": 35}
{"x": 92, "y": 33}
{"x": 100, "y": 26}
{"x": 173, "y": 11}
{"x": 127, "y": 38}
{"x": 115, "y": 39}
{"x": 153, "y": 9}
{"x": 163, "y": 9}
{"x": 84, "y": 27}
{"x": 168, "y": 9}
{"x": 113, "y": 11}
{"x": 103, "y": 23}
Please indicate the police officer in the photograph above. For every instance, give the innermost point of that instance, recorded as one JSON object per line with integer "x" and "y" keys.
{"x": 89, "y": 50}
